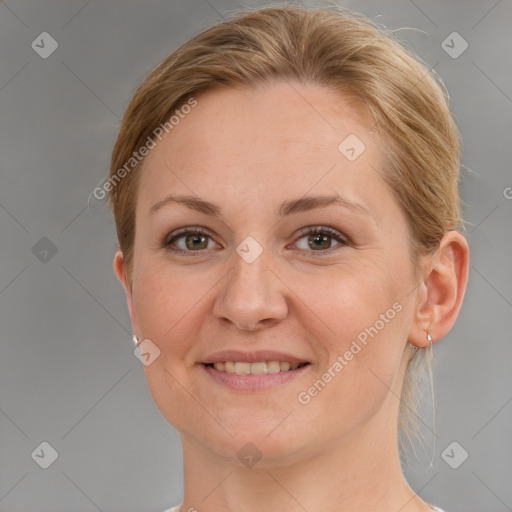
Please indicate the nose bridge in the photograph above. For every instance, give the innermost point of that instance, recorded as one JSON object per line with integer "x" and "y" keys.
{"x": 251, "y": 293}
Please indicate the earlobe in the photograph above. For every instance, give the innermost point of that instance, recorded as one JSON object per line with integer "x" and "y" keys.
{"x": 121, "y": 273}
{"x": 442, "y": 292}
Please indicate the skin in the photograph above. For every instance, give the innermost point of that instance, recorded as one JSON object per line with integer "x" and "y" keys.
{"x": 249, "y": 150}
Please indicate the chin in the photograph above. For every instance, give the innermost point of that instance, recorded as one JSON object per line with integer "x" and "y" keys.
{"x": 265, "y": 440}
{"x": 259, "y": 453}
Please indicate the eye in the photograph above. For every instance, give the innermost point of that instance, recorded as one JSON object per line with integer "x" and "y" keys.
{"x": 192, "y": 241}
{"x": 188, "y": 240}
{"x": 320, "y": 239}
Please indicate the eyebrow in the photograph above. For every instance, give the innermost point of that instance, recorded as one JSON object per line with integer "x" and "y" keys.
{"x": 304, "y": 204}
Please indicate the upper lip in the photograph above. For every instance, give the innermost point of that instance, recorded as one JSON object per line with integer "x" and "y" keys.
{"x": 251, "y": 357}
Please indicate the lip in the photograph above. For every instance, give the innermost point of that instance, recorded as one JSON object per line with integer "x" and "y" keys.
{"x": 251, "y": 357}
{"x": 253, "y": 382}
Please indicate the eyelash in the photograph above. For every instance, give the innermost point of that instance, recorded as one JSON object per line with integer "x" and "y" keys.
{"x": 311, "y": 230}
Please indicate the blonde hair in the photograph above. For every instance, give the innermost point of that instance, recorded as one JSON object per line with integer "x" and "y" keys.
{"x": 345, "y": 52}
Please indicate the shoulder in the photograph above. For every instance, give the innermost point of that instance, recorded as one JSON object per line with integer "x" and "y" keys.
{"x": 177, "y": 509}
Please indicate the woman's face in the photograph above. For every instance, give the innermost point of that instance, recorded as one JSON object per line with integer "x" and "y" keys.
{"x": 297, "y": 252}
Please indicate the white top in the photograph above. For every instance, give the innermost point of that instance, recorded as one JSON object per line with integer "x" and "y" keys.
{"x": 177, "y": 508}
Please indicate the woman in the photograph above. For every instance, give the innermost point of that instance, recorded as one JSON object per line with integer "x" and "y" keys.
{"x": 285, "y": 191}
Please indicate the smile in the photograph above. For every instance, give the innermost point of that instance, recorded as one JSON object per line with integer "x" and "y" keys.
{"x": 255, "y": 376}
{"x": 256, "y": 368}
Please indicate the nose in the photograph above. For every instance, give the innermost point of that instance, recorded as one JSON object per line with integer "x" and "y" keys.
{"x": 252, "y": 296}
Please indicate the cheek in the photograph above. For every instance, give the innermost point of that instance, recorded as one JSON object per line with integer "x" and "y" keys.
{"x": 170, "y": 304}
{"x": 358, "y": 317}
{"x": 349, "y": 299}
{"x": 360, "y": 331}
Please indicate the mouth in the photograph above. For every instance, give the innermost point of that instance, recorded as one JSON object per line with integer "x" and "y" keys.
{"x": 243, "y": 370}
{"x": 255, "y": 368}
{"x": 254, "y": 376}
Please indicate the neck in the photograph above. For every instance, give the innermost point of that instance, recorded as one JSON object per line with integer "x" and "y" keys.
{"x": 361, "y": 472}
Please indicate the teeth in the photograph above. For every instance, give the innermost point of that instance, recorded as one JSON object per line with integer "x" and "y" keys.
{"x": 243, "y": 368}
{"x": 273, "y": 366}
{"x": 258, "y": 368}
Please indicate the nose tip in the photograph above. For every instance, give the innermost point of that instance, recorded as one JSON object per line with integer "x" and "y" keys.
{"x": 255, "y": 325}
{"x": 251, "y": 298}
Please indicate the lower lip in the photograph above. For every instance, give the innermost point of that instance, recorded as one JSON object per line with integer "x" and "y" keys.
{"x": 253, "y": 382}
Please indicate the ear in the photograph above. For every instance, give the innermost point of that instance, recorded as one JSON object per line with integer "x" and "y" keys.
{"x": 442, "y": 291}
{"x": 121, "y": 273}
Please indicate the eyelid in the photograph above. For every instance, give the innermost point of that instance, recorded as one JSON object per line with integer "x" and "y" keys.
{"x": 181, "y": 232}
{"x": 184, "y": 231}
{"x": 341, "y": 239}
{"x": 320, "y": 228}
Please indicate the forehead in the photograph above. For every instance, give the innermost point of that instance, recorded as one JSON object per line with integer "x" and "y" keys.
{"x": 266, "y": 141}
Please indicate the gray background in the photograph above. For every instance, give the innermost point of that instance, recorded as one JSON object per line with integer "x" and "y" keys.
{"x": 68, "y": 375}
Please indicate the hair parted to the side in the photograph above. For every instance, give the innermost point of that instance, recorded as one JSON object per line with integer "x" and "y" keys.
{"x": 343, "y": 51}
